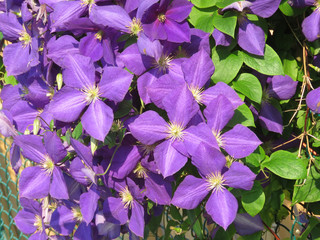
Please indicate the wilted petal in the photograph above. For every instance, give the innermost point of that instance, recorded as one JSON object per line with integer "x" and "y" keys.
{"x": 115, "y": 211}
{"x": 239, "y": 171}
{"x": 58, "y": 187}
{"x": 89, "y": 203}
{"x": 136, "y": 223}
{"x": 218, "y": 113}
{"x": 240, "y": 141}
{"x": 32, "y": 147}
{"x": 97, "y": 120}
{"x": 251, "y": 37}
{"x": 67, "y": 104}
{"x": 198, "y": 69}
{"x": 15, "y": 159}
{"x": 222, "y": 207}
{"x": 158, "y": 190}
{"x": 149, "y": 128}
{"x": 270, "y": 118}
{"x": 313, "y": 100}
{"x": 282, "y": 87}
{"x": 310, "y": 25}
{"x": 79, "y": 71}
{"x": 115, "y": 83}
{"x": 168, "y": 159}
{"x": 34, "y": 183}
{"x": 190, "y": 192}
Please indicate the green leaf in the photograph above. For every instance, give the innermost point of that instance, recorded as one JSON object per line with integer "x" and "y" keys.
{"x": 269, "y": 64}
{"x": 77, "y": 132}
{"x": 242, "y": 115}
{"x": 253, "y": 200}
{"x": 204, "y": 3}
{"x": 226, "y": 23}
{"x": 224, "y": 3}
{"x": 308, "y": 191}
{"x": 202, "y": 18}
{"x": 250, "y": 86}
{"x": 221, "y": 58}
{"x": 195, "y": 222}
{"x": 10, "y": 79}
{"x": 123, "y": 109}
{"x": 290, "y": 67}
{"x": 287, "y": 10}
{"x": 255, "y": 158}
{"x": 286, "y": 165}
{"x": 255, "y": 236}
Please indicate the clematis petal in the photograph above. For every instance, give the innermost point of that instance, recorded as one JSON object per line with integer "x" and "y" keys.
{"x": 97, "y": 120}
{"x": 270, "y": 118}
{"x": 67, "y": 104}
{"x": 282, "y": 87}
{"x": 218, "y": 113}
{"x": 168, "y": 159}
{"x": 149, "y": 128}
{"x": 79, "y": 71}
{"x": 246, "y": 224}
{"x": 91, "y": 47}
{"x": 114, "y": 211}
{"x": 34, "y": 183}
{"x": 222, "y": 206}
{"x": 240, "y": 141}
{"x": 10, "y": 26}
{"x": 24, "y": 220}
{"x": 89, "y": 203}
{"x": 105, "y": 228}
{"x": 221, "y": 38}
{"x": 115, "y": 83}
{"x": 251, "y": 37}
{"x": 179, "y": 10}
{"x": 83, "y": 152}
{"x": 62, "y": 220}
{"x": 177, "y": 32}
{"x": 264, "y": 8}
{"x": 158, "y": 189}
{"x": 239, "y": 171}
{"x": 77, "y": 173}
{"x": 310, "y": 25}
{"x": 153, "y": 49}
{"x": 58, "y": 187}
{"x": 54, "y": 146}
{"x": 136, "y": 223}
{"x": 144, "y": 83}
{"x": 32, "y": 147}
{"x": 83, "y": 232}
{"x": 198, "y": 69}
{"x": 313, "y": 100}
{"x": 190, "y": 192}
{"x": 155, "y": 30}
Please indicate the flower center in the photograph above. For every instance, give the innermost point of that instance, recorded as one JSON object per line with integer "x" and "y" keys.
{"x": 265, "y": 95}
{"x": 25, "y": 38}
{"x": 147, "y": 149}
{"x": 215, "y": 181}
{"x": 92, "y": 94}
{"x": 163, "y": 63}
{"x": 99, "y": 35}
{"x": 135, "y": 27}
{"x": 162, "y": 18}
{"x": 77, "y": 215}
{"x": 140, "y": 171}
{"x": 38, "y": 223}
{"x": 175, "y": 131}
{"x": 126, "y": 197}
{"x": 197, "y": 93}
{"x": 47, "y": 165}
{"x": 219, "y": 138}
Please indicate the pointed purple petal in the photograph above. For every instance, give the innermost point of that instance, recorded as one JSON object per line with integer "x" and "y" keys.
{"x": 91, "y": 47}
{"x": 239, "y": 171}
{"x": 136, "y": 223}
{"x": 246, "y": 224}
{"x": 62, "y": 220}
{"x": 218, "y": 113}
{"x": 168, "y": 159}
{"x": 54, "y": 146}
{"x": 177, "y": 32}
{"x": 97, "y": 120}
{"x": 79, "y": 72}
{"x": 310, "y": 25}
{"x": 240, "y": 141}
{"x": 115, "y": 83}
{"x": 155, "y": 30}
{"x": 270, "y": 118}
{"x": 25, "y": 220}
{"x": 34, "y": 183}
{"x": 179, "y": 10}
{"x": 77, "y": 173}
{"x": 58, "y": 187}
{"x": 158, "y": 189}
{"x": 221, "y": 38}
{"x": 198, "y": 69}
{"x": 282, "y": 87}
{"x": 89, "y": 203}
{"x": 149, "y": 128}
{"x": 32, "y": 147}
{"x": 115, "y": 211}
{"x": 144, "y": 84}
{"x": 83, "y": 232}
{"x": 105, "y": 228}
{"x": 151, "y": 48}
{"x": 190, "y": 192}
{"x": 222, "y": 207}
{"x": 251, "y": 37}
{"x": 313, "y": 100}
{"x": 67, "y": 104}
{"x": 264, "y": 8}
{"x": 83, "y": 152}
{"x": 10, "y": 26}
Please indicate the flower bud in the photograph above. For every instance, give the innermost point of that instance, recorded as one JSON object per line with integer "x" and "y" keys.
{"x": 94, "y": 145}
{"x": 59, "y": 80}
{"x": 36, "y": 126}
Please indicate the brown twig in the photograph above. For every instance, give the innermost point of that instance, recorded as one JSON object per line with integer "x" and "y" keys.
{"x": 271, "y": 231}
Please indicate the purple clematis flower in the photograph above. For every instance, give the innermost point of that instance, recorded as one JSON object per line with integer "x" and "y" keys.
{"x": 81, "y": 90}
{"x": 21, "y": 55}
{"x": 313, "y": 100}
{"x": 166, "y": 21}
{"x": 39, "y": 181}
{"x": 30, "y": 220}
{"x": 222, "y": 206}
